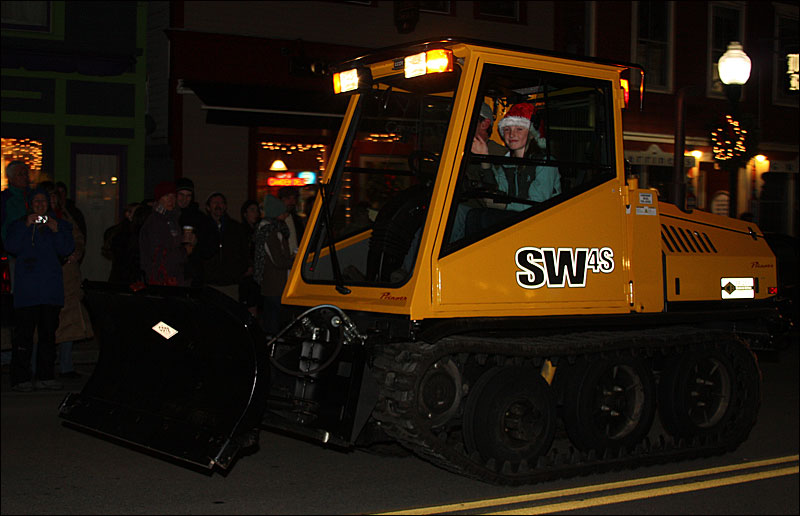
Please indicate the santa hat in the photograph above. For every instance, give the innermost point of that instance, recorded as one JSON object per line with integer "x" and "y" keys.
{"x": 521, "y": 115}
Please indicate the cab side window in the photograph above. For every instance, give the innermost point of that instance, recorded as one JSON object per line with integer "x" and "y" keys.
{"x": 537, "y": 139}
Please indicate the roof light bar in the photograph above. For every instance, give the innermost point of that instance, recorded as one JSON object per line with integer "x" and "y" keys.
{"x": 352, "y": 80}
{"x": 439, "y": 60}
{"x": 345, "y": 81}
{"x": 433, "y": 61}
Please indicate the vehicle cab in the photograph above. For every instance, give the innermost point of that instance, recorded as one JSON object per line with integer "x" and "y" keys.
{"x": 411, "y": 219}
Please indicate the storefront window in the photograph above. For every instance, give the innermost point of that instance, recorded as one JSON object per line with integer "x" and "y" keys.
{"x": 288, "y": 162}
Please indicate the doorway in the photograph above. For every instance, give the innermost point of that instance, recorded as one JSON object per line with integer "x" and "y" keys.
{"x": 98, "y": 176}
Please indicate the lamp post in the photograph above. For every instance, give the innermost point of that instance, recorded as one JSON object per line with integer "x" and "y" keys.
{"x": 678, "y": 190}
{"x": 734, "y": 70}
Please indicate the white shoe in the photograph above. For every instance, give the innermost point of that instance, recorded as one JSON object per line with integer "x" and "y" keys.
{"x": 50, "y": 385}
{"x": 22, "y": 387}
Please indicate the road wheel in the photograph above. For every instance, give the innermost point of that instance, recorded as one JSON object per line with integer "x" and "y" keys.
{"x": 510, "y": 415}
{"x": 695, "y": 393}
{"x": 609, "y": 403}
{"x": 440, "y": 392}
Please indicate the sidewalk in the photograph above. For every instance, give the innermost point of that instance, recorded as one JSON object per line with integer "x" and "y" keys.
{"x": 84, "y": 357}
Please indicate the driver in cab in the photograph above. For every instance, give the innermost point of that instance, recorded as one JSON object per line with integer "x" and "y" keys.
{"x": 534, "y": 183}
{"x": 528, "y": 182}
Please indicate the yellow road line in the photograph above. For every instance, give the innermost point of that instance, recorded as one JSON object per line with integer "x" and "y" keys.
{"x": 651, "y": 493}
{"x": 463, "y": 506}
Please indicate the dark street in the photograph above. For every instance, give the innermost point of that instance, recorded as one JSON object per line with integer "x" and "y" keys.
{"x": 48, "y": 468}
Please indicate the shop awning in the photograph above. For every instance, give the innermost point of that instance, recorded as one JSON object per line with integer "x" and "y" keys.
{"x": 656, "y": 157}
{"x": 257, "y": 105}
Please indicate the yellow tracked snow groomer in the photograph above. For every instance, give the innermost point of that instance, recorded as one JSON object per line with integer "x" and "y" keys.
{"x": 497, "y": 297}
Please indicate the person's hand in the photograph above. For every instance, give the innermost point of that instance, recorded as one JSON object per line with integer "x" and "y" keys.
{"x": 52, "y": 223}
{"x": 31, "y": 219}
{"x": 479, "y": 146}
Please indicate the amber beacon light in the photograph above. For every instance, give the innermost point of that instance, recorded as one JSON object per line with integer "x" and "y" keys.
{"x": 432, "y": 61}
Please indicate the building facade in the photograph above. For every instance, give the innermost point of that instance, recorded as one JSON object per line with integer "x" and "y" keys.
{"x": 246, "y": 86}
{"x": 221, "y": 91}
{"x": 74, "y": 102}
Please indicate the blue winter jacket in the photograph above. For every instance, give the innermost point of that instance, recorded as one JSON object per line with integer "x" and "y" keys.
{"x": 37, "y": 273}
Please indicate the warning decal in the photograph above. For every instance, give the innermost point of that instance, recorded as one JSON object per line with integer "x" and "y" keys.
{"x": 165, "y": 330}
{"x": 737, "y": 288}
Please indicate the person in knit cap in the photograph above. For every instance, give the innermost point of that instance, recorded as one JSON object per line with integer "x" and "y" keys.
{"x": 273, "y": 259}
{"x": 193, "y": 220}
{"x": 482, "y": 143}
{"x": 162, "y": 249}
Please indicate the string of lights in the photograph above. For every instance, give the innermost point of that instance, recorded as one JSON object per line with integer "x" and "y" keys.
{"x": 729, "y": 140}
{"x": 23, "y": 149}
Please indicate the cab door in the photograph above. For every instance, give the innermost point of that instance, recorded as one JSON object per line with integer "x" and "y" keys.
{"x": 537, "y": 231}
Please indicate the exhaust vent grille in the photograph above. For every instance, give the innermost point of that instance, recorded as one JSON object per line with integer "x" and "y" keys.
{"x": 681, "y": 240}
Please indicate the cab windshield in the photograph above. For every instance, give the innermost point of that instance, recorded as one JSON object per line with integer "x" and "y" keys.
{"x": 378, "y": 196}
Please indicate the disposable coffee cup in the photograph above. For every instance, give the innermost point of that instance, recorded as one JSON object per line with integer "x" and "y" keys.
{"x": 187, "y": 233}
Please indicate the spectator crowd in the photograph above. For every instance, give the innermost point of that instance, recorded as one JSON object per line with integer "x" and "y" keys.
{"x": 165, "y": 240}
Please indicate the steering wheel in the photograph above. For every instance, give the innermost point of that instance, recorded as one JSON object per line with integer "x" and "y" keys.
{"x": 418, "y": 157}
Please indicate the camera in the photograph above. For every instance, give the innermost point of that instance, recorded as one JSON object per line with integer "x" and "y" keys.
{"x": 41, "y": 219}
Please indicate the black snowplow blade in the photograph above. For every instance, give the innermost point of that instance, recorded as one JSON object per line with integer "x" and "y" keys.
{"x": 181, "y": 372}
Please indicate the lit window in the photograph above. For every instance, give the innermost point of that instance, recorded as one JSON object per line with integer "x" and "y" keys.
{"x": 786, "y": 81}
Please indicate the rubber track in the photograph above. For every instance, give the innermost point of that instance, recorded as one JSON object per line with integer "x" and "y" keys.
{"x": 398, "y": 367}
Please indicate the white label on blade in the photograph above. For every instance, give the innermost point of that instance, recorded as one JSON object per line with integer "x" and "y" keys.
{"x": 737, "y": 288}
{"x": 645, "y": 210}
{"x": 165, "y": 330}
{"x": 645, "y": 198}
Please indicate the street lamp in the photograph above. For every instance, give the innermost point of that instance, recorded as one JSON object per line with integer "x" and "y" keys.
{"x": 734, "y": 70}
{"x": 734, "y": 65}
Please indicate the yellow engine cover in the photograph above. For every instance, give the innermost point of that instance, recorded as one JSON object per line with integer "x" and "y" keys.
{"x": 711, "y": 257}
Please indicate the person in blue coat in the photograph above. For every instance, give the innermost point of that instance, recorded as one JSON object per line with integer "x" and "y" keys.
{"x": 39, "y": 241}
